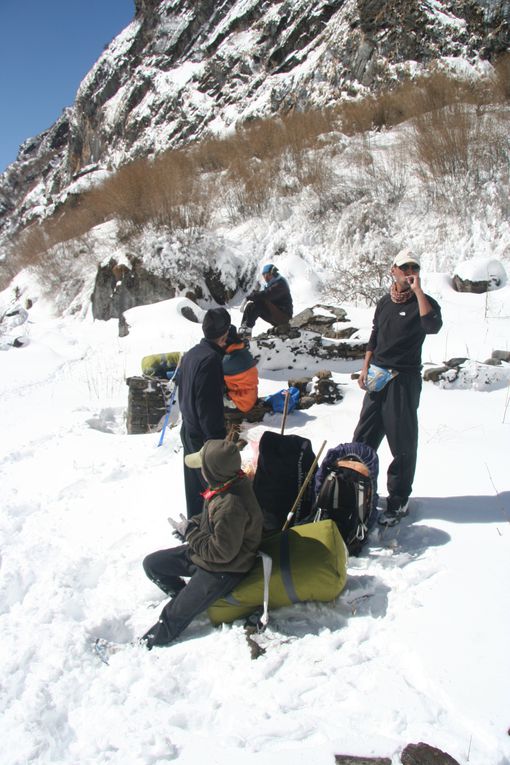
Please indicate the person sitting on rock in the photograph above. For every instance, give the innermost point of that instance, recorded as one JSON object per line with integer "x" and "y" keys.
{"x": 220, "y": 544}
{"x": 240, "y": 373}
{"x": 273, "y": 303}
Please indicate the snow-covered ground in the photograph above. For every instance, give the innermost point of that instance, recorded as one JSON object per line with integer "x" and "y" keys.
{"x": 414, "y": 649}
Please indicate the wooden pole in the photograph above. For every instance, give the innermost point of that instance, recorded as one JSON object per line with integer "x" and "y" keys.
{"x": 302, "y": 489}
{"x": 285, "y": 410}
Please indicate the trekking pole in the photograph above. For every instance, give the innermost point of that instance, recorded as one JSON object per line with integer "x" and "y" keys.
{"x": 285, "y": 411}
{"x": 302, "y": 489}
{"x": 173, "y": 380}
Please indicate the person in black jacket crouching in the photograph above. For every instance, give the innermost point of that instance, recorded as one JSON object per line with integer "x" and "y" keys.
{"x": 220, "y": 547}
{"x": 273, "y": 303}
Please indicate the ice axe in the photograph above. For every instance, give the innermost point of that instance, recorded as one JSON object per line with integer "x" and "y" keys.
{"x": 173, "y": 381}
{"x": 302, "y": 489}
{"x": 286, "y": 395}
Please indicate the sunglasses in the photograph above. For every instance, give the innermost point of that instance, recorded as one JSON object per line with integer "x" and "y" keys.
{"x": 409, "y": 267}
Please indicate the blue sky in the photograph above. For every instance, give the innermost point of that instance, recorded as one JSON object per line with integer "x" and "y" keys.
{"x": 46, "y": 48}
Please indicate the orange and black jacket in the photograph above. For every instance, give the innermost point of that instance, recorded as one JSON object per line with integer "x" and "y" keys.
{"x": 241, "y": 376}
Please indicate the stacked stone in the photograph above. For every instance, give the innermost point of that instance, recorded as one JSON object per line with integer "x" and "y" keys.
{"x": 146, "y": 404}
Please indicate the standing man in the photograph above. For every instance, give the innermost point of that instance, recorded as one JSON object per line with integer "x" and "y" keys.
{"x": 273, "y": 303}
{"x": 401, "y": 321}
{"x": 201, "y": 399}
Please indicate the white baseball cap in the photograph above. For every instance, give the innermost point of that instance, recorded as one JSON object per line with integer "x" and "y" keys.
{"x": 405, "y": 256}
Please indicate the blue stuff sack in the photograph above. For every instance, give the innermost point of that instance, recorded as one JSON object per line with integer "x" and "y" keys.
{"x": 378, "y": 377}
{"x": 277, "y": 400}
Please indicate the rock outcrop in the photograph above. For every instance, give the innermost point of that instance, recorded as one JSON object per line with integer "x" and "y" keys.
{"x": 185, "y": 69}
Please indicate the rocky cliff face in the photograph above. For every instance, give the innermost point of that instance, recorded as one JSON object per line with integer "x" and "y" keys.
{"x": 184, "y": 68}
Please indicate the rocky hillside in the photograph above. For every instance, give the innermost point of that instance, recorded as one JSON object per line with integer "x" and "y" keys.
{"x": 184, "y": 68}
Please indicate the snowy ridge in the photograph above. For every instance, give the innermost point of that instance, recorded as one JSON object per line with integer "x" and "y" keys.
{"x": 183, "y": 70}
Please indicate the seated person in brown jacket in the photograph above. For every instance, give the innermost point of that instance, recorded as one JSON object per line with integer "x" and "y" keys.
{"x": 221, "y": 543}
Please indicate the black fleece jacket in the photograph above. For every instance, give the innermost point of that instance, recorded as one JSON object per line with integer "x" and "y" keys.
{"x": 398, "y": 332}
{"x": 201, "y": 391}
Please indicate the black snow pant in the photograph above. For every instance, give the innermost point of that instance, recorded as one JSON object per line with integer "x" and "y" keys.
{"x": 194, "y": 482}
{"x": 165, "y": 568}
{"x": 266, "y": 310}
{"x": 393, "y": 412}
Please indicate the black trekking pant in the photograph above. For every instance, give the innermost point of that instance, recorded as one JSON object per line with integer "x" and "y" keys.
{"x": 393, "y": 412}
{"x": 194, "y": 482}
{"x": 264, "y": 309}
{"x": 165, "y": 568}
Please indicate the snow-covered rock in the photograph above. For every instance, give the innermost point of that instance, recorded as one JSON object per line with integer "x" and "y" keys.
{"x": 479, "y": 275}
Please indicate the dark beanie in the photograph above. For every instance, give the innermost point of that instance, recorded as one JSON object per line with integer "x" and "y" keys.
{"x": 216, "y": 322}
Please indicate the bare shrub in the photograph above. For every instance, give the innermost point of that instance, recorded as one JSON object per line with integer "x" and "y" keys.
{"x": 301, "y": 130}
{"x": 315, "y": 172}
{"x": 442, "y": 140}
{"x": 166, "y": 192}
{"x": 248, "y": 188}
{"x": 357, "y": 116}
{"x": 367, "y": 246}
{"x": 60, "y": 270}
{"x": 502, "y": 77}
{"x": 459, "y": 144}
{"x": 123, "y": 194}
{"x": 366, "y": 278}
{"x": 176, "y": 198}
{"x": 379, "y": 111}
{"x": 29, "y": 244}
{"x": 411, "y": 98}
{"x": 382, "y": 175}
{"x": 10, "y": 265}
{"x": 211, "y": 155}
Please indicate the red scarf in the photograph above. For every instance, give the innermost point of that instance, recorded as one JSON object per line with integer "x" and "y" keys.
{"x": 210, "y": 493}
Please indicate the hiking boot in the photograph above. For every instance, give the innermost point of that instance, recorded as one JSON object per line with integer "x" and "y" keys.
{"x": 396, "y": 509}
{"x": 245, "y": 332}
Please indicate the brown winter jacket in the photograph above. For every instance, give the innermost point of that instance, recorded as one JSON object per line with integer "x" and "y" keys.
{"x": 227, "y": 533}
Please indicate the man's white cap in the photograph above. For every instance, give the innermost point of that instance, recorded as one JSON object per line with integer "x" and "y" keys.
{"x": 405, "y": 256}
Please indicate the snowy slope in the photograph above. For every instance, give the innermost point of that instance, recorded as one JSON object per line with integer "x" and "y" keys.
{"x": 415, "y": 648}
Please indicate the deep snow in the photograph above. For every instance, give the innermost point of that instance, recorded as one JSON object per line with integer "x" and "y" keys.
{"x": 415, "y": 648}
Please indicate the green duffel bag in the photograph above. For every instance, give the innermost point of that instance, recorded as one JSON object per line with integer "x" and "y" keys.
{"x": 158, "y": 364}
{"x": 309, "y": 563}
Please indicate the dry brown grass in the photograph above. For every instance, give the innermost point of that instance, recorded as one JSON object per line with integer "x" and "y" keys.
{"x": 501, "y": 83}
{"x": 457, "y": 144}
{"x": 264, "y": 158}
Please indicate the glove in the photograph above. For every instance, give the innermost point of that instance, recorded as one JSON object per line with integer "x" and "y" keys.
{"x": 180, "y": 527}
{"x": 255, "y": 295}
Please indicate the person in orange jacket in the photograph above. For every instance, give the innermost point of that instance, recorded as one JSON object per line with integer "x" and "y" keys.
{"x": 240, "y": 372}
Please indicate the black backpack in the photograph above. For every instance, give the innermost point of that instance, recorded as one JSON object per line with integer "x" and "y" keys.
{"x": 282, "y": 466}
{"x": 346, "y": 491}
